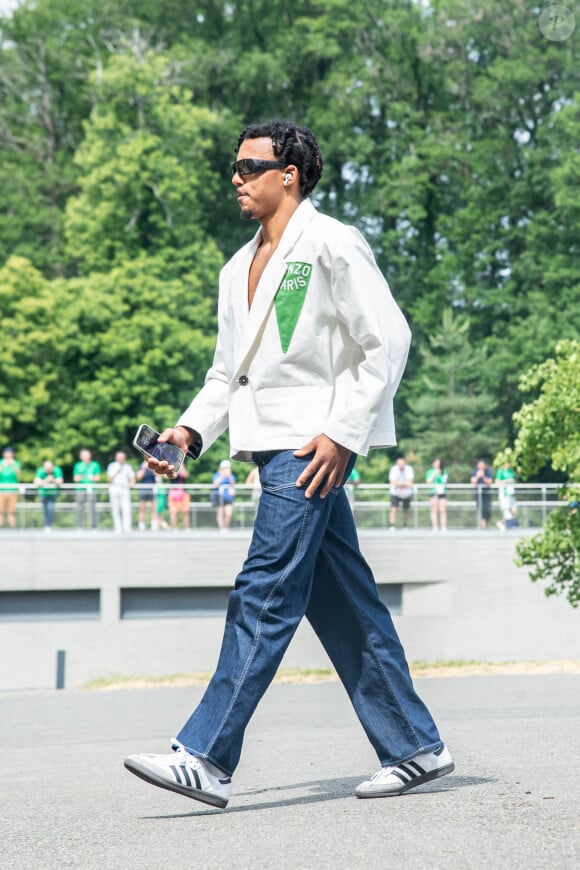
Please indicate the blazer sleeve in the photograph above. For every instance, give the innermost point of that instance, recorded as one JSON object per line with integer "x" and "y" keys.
{"x": 376, "y": 325}
{"x": 208, "y": 412}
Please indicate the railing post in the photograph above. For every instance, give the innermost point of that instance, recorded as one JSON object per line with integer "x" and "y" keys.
{"x": 544, "y": 505}
{"x": 60, "y": 668}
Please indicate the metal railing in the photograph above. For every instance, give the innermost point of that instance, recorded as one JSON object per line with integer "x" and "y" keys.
{"x": 370, "y": 504}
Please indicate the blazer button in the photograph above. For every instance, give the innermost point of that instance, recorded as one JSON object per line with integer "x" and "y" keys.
{"x": 243, "y": 380}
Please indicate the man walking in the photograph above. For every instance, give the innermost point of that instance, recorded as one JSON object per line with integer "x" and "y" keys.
{"x": 310, "y": 351}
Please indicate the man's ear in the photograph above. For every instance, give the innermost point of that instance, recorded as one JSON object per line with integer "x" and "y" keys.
{"x": 290, "y": 174}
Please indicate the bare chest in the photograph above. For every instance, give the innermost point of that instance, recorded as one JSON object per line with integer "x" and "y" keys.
{"x": 259, "y": 263}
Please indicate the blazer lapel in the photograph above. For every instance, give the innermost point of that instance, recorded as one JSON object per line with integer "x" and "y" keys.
{"x": 271, "y": 278}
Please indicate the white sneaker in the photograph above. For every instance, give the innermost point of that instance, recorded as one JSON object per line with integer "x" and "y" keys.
{"x": 391, "y": 781}
{"x": 184, "y": 773}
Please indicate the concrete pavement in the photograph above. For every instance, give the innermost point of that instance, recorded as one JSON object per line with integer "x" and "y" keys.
{"x": 513, "y": 801}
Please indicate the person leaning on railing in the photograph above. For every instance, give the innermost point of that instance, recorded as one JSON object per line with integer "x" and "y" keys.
{"x": 482, "y": 479}
{"x": 48, "y": 479}
{"x": 9, "y": 474}
{"x": 86, "y": 472}
{"x": 437, "y": 478}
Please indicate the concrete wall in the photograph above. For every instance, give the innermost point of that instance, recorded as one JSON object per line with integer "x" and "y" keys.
{"x": 462, "y": 598}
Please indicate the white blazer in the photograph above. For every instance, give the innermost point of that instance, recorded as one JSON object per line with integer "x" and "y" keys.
{"x": 322, "y": 349}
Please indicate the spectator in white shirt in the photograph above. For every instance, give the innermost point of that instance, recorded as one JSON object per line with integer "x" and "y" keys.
{"x": 401, "y": 478}
{"x": 121, "y": 478}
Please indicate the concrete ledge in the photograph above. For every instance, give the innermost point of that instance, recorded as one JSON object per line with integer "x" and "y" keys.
{"x": 462, "y": 598}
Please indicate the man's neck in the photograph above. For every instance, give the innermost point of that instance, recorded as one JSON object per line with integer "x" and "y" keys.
{"x": 273, "y": 225}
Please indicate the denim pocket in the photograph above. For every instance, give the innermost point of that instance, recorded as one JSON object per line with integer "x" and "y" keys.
{"x": 282, "y": 470}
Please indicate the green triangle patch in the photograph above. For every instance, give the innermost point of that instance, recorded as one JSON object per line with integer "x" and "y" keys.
{"x": 290, "y": 299}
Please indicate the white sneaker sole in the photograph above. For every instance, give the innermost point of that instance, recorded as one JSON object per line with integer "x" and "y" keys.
{"x": 143, "y": 772}
{"x": 362, "y": 791}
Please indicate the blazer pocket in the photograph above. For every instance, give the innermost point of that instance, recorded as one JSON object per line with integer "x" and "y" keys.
{"x": 301, "y": 409}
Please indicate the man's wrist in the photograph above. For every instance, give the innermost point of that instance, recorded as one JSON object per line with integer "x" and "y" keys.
{"x": 193, "y": 440}
{"x": 188, "y": 434}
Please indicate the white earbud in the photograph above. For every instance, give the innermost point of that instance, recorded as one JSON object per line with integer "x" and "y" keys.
{"x": 287, "y": 178}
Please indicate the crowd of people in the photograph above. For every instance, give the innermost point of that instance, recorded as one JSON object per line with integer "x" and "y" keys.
{"x": 164, "y": 504}
{"x": 157, "y": 495}
{"x": 401, "y": 485}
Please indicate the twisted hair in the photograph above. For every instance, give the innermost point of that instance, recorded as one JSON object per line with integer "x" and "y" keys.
{"x": 291, "y": 144}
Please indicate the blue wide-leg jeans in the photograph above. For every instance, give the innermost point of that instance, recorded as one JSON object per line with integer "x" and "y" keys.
{"x": 304, "y": 559}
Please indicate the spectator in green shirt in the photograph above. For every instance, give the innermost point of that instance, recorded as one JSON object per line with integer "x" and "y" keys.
{"x": 9, "y": 474}
{"x": 437, "y": 479}
{"x": 506, "y": 478}
{"x": 481, "y": 480}
{"x": 350, "y": 486}
{"x": 86, "y": 472}
{"x": 48, "y": 479}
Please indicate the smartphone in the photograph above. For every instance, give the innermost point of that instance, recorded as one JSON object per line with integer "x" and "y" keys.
{"x": 147, "y": 442}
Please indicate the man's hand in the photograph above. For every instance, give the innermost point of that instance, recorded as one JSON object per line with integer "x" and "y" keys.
{"x": 326, "y": 467}
{"x": 181, "y": 437}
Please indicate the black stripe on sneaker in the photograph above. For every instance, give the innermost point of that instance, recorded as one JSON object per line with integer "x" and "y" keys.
{"x": 185, "y": 773}
{"x": 403, "y": 775}
{"x": 197, "y": 778}
{"x": 175, "y": 771}
{"x": 417, "y": 767}
{"x": 408, "y": 770}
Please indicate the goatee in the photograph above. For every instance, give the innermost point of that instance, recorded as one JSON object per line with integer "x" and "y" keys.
{"x": 246, "y": 214}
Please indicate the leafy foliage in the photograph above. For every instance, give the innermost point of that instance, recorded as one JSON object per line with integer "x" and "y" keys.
{"x": 553, "y": 554}
{"x": 548, "y": 432}
{"x": 31, "y": 336}
{"x": 146, "y": 184}
{"x": 452, "y": 417}
{"x": 548, "y": 428}
{"x": 449, "y": 132}
{"x": 88, "y": 359}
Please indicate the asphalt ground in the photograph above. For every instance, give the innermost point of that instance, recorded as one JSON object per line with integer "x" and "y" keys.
{"x": 512, "y": 802}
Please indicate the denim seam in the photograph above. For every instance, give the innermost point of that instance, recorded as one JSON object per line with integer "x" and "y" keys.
{"x": 371, "y": 647}
{"x": 258, "y": 630}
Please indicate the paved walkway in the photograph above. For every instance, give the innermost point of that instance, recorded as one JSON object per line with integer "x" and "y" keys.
{"x": 513, "y": 801}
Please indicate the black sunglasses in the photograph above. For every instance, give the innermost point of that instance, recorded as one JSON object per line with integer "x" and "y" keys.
{"x": 249, "y": 165}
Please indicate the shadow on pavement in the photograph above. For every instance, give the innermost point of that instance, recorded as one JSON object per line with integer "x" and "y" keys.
{"x": 325, "y": 790}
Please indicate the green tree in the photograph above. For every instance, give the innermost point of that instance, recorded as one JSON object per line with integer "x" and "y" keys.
{"x": 137, "y": 344}
{"x": 47, "y": 51}
{"x": 85, "y": 360}
{"x": 449, "y": 133}
{"x": 452, "y": 417}
{"x": 146, "y": 185}
{"x": 548, "y": 432}
{"x": 131, "y": 337}
{"x": 53, "y": 54}
{"x": 31, "y": 337}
